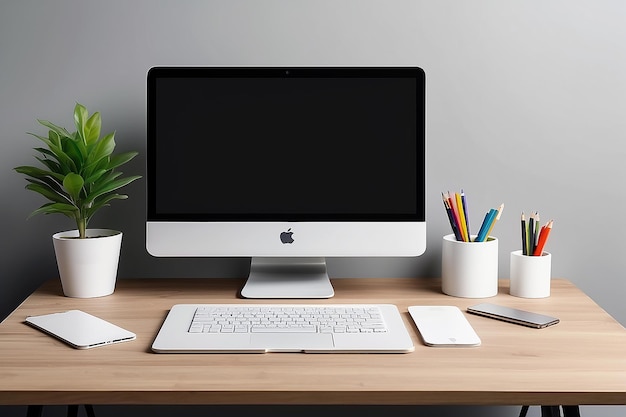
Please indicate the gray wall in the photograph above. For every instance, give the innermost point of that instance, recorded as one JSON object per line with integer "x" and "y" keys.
{"x": 526, "y": 106}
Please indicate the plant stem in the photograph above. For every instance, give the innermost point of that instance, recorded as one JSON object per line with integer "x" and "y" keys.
{"x": 82, "y": 226}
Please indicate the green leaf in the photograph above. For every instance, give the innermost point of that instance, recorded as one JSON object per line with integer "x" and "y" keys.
{"x": 54, "y": 137}
{"x": 103, "y": 202}
{"x": 80, "y": 118}
{"x": 66, "y": 163}
{"x": 84, "y": 149}
{"x": 58, "y": 129}
{"x": 121, "y": 159}
{"x": 53, "y": 184}
{"x": 66, "y": 209}
{"x": 47, "y": 192}
{"x": 111, "y": 186}
{"x": 92, "y": 128}
{"x": 73, "y": 184}
{"x": 38, "y": 173}
{"x": 52, "y": 165}
{"x": 93, "y": 178}
{"x": 75, "y": 150}
{"x": 103, "y": 148}
{"x": 43, "y": 139}
{"x": 109, "y": 177}
{"x": 45, "y": 151}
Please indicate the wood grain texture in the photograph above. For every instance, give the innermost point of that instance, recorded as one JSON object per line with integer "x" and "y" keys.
{"x": 582, "y": 360}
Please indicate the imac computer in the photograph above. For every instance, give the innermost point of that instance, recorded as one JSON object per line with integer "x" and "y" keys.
{"x": 286, "y": 166}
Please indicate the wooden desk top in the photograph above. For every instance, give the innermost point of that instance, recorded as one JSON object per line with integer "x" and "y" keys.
{"x": 581, "y": 360}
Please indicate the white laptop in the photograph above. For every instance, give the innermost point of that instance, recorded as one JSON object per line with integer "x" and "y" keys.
{"x": 260, "y": 328}
{"x": 79, "y": 329}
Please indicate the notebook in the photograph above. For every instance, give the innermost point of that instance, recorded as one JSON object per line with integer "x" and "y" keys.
{"x": 195, "y": 328}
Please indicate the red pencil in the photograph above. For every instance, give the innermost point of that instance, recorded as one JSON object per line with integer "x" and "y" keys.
{"x": 543, "y": 236}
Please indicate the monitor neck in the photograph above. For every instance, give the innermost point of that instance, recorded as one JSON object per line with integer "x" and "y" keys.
{"x": 288, "y": 278}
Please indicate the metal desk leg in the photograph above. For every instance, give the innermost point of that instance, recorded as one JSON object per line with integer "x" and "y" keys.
{"x": 89, "y": 409}
{"x": 72, "y": 410}
{"x": 34, "y": 411}
{"x": 554, "y": 411}
{"x": 571, "y": 411}
{"x": 550, "y": 411}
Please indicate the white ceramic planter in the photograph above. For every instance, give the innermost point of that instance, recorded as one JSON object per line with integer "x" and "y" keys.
{"x": 88, "y": 267}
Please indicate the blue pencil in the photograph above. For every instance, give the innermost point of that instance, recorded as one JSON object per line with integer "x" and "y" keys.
{"x": 486, "y": 225}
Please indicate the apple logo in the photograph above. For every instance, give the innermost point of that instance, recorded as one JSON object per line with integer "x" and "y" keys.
{"x": 286, "y": 237}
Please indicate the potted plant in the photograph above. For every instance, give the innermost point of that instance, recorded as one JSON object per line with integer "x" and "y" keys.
{"x": 78, "y": 175}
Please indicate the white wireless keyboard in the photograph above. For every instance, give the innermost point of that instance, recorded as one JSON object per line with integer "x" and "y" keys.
{"x": 261, "y": 328}
{"x": 236, "y": 318}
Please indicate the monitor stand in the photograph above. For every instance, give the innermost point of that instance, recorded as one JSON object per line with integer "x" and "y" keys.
{"x": 288, "y": 278}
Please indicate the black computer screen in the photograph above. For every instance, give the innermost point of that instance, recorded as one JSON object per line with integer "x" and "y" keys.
{"x": 286, "y": 144}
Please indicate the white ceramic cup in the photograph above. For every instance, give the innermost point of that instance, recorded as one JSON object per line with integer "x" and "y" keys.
{"x": 469, "y": 269}
{"x": 530, "y": 275}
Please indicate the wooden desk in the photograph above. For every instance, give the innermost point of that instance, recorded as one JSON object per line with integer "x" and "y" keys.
{"x": 582, "y": 360}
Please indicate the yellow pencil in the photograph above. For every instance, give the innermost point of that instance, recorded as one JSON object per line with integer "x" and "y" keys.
{"x": 459, "y": 207}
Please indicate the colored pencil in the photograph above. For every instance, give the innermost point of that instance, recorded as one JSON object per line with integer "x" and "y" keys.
{"x": 455, "y": 213}
{"x": 482, "y": 233}
{"x": 531, "y": 234}
{"x": 482, "y": 226}
{"x": 536, "y": 233}
{"x": 543, "y": 237}
{"x": 524, "y": 237}
{"x": 453, "y": 225}
{"x": 495, "y": 219}
{"x": 459, "y": 207}
{"x": 465, "y": 212}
